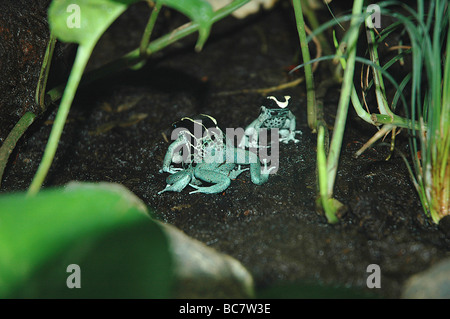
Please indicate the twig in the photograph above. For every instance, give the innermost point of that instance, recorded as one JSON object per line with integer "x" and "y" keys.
{"x": 264, "y": 90}
{"x": 383, "y": 131}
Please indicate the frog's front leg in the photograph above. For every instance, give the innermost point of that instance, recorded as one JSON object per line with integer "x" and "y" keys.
{"x": 211, "y": 175}
{"x": 230, "y": 170}
{"x": 260, "y": 175}
{"x": 251, "y": 134}
{"x": 288, "y": 134}
{"x": 236, "y": 172}
{"x": 250, "y": 138}
{"x": 172, "y": 156}
{"x": 241, "y": 156}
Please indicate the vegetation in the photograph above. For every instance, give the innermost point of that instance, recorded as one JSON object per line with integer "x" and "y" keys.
{"x": 427, "y": 112}
{"x": 94, "y": 212}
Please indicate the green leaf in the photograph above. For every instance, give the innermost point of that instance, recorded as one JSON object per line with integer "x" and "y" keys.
{"x": 84, "y": 21}
{"x": 103, "y": 228}
{"x": 199, "y": 11}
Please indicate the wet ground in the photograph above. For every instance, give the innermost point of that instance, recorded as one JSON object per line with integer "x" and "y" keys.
{"x": 119, "y": 130}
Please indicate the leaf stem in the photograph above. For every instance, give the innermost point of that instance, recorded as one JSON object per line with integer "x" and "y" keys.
{"x": 134, "y": 57}
{"x": 341, "y": 116}
{"x": 83, "y": 54}
{"x": 11, "y": 140}
{"x": 45, "y": 69}
{"x": 309, "y": 79}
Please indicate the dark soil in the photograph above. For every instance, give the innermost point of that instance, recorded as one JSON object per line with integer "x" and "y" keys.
{"x": 116, "y": 132}
{"x": 23, "y": 37}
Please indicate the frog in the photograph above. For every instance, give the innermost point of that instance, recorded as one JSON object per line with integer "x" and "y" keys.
{"x": 274, "y": 114}
{"x": 216, "y": 161}
{"x": 192, "y": 135}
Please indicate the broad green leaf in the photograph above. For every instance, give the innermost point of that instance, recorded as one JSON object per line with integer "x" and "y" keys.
{"x": 103, "y": 228}
{"x": 199, "y": 11}
{"x": 84, "y": 21}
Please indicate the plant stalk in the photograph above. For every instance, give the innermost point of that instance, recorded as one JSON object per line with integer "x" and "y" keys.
{"x": 83, "y": 54}
{"x": 45, "y": 69}
{"x": 11, "y": 140}
{"x": 149, "y": 29}
{"x": 309, "y": 79}
{"x": 341, "y": 116}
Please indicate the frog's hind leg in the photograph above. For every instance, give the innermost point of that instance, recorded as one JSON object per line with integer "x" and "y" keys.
{"x": 177, "y": 182}
{"x": 287, "y": 134}
{"x": 219, "y": 179}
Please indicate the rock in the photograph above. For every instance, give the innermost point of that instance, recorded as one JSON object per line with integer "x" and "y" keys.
{"x": 202, "y": 272}
{"x": 433, "y": 283}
